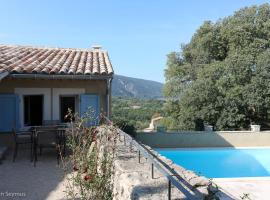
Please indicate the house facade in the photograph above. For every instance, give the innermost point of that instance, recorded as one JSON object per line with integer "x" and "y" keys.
{"x": 38, "y": 85}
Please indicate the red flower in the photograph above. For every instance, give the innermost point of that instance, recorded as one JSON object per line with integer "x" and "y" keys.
{"x": 94, "y": 136}
{"x": 87, "y": 178}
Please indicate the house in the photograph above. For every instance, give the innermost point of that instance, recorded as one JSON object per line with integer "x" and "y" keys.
{"x": 39, "y": 84}
{"x": 154, "y": 124}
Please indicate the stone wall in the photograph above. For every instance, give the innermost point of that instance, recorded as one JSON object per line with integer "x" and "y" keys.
{"x": 133, "y": 180}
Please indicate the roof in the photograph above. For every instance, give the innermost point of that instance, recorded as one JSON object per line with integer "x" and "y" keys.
{"x": 59, "y": 61}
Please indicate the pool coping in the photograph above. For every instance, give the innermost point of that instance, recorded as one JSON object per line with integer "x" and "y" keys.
{"x": 244, "y": 179}
{"x": 212, "y": 148}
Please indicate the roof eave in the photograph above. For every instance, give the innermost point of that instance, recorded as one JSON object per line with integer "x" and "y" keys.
{"x": 3, "y": 75}
{"x": 62, "y": 76}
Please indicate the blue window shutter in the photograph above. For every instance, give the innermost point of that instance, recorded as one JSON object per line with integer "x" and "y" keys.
{"x": 9, "y": 112}
{"x": 90, "y": 105}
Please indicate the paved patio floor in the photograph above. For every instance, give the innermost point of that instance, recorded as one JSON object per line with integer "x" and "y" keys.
{"x": 21, "y": 180}
{"x": 255, "y": 188}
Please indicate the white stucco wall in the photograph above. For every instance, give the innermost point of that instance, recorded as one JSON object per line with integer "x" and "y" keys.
{"x": 51, "y": 96}
{"x": 57, "y": 92}
{"x": 205, "y": 139}
{"x": 46, "y": 92}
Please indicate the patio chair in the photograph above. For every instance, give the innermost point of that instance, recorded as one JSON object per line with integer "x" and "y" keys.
{"x": 22, "y": 138}
{"x": 47, "y": 137}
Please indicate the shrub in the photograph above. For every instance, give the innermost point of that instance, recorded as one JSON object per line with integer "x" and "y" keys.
{"x": 89, "y": 168}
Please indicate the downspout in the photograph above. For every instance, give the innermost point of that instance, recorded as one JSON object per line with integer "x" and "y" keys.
{"x": 108, "y": 91}
{"x": 51, "y": 106}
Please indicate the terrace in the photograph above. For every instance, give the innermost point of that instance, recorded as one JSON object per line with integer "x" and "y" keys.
{"x": 22, "y": 180}
{"x": 135, "y": 176}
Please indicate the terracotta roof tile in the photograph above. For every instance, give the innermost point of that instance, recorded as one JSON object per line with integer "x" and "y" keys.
{"x": 27, "y": 60}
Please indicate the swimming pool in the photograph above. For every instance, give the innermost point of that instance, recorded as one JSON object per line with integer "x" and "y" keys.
{"x": 222, "y": 162}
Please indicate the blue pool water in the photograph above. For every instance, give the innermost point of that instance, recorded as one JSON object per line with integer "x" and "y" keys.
{"x": 222, "y": 163}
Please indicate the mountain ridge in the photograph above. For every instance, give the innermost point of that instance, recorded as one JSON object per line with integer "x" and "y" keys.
{"x": 124, "y": 86}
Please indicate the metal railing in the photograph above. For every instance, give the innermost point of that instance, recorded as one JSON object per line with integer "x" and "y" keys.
{"x": 172, "y": 176}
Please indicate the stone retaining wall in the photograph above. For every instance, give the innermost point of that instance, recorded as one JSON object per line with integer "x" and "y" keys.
{"x": 133, "y": 180}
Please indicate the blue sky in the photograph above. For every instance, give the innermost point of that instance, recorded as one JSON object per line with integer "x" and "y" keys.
{"x": 138, "y": 34}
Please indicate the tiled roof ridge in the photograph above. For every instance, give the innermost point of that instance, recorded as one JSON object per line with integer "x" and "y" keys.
{"x": 54, "y": 48}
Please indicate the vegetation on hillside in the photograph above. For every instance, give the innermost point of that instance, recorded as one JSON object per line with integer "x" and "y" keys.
{"x": 222, "y": 76}
{"x": 137, "y": 113}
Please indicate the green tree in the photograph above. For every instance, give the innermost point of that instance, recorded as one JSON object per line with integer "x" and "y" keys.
{"x": 221, "y": 77}
{"x": 137, "y": 113}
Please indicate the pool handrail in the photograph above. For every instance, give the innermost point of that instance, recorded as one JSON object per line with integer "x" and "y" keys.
{"x": 173, "y": 177}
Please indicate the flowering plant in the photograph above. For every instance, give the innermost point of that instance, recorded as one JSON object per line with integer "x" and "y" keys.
{"x": 89, "y": 167}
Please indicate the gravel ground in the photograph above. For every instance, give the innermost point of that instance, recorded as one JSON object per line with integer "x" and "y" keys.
{"x": 21, "y": 180}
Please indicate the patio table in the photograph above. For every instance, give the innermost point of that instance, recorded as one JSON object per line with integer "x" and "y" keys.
{"x": 58, "y": 141}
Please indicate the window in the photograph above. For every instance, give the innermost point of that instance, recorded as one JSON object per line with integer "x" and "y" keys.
{"x": 66, "y": 102}
{"x": 33, "y": 110}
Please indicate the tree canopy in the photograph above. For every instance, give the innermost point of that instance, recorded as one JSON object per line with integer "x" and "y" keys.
{"x": 137, "y": 113}
{"x": 222, "y": 76}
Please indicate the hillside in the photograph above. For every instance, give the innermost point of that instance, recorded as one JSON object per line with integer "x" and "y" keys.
{"x": 135, "y": 112}
{"x": 123, "y": 86}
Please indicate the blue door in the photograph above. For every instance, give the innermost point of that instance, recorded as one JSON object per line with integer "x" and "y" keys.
{"x": 9, "y": 112}
{"x": 89, "y": 109}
